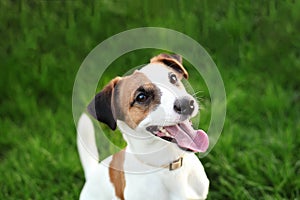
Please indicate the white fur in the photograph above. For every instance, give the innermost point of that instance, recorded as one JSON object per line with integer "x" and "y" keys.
{"x": 145, "y": 154}
{"x": 164, "y": 114}
{"x": 86, "y": 144}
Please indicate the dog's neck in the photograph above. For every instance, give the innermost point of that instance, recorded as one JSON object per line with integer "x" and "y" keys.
{"x": 149, "y": 149}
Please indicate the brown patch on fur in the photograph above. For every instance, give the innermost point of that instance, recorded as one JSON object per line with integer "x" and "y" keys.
{"x": 138, "y": 112}
{"x": 125, "y": 108}
{"x": 172, "y": 61}
{"x": 116, "y": 173}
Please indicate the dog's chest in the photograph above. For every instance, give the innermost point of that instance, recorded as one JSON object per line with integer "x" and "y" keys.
{"x": 158, "y": 185}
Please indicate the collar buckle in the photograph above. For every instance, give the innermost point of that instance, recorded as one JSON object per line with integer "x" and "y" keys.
{"x": 176, "y": 164}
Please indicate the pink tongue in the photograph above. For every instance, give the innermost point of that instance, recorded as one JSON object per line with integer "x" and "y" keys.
{"x": 187, "y": 137}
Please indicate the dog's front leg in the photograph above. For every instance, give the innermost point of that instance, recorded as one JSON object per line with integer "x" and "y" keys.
{"x": 197, "y": 179}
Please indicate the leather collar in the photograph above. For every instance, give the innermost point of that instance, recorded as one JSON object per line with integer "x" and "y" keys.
{"x": 176, "y": 164}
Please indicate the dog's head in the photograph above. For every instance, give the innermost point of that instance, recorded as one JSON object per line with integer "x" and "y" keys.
{"x": 152, "y": 101}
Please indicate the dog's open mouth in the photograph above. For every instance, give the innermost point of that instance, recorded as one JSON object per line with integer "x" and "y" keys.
{"x": 184, "y": 135}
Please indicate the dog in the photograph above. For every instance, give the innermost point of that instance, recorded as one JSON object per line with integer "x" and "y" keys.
{"x": 152, "y": 109}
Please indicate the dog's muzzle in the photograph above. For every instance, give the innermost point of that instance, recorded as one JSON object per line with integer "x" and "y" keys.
{"x": 182, "y": 134}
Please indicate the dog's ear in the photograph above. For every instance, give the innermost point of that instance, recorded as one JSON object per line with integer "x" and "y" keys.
{"x": 101, "y": 106}
{"x": 174, "y": 61}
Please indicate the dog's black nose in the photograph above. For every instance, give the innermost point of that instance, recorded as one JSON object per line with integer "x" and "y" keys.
{"x": 184, "y": 106}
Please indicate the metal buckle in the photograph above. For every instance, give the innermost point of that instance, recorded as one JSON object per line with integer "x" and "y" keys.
{"x": 176, "y": 164}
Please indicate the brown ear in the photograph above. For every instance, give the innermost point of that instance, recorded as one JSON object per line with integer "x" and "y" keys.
{"x": 101, "y": 106}
{"x": 174, "y": 61}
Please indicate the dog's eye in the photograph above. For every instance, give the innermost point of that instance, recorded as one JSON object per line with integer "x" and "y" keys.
{"x": 173, "y": 78}
{"x": 141, "y": 97}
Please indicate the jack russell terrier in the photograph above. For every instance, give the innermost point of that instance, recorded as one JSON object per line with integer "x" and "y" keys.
{"x": 152, "y": 109}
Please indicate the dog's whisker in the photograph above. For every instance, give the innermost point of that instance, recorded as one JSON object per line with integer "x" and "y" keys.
{"x": 200, "y": 98}
{"x": 195, "y": 93}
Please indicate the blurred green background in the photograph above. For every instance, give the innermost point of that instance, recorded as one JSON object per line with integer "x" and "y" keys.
{"x": 255, "y": 44}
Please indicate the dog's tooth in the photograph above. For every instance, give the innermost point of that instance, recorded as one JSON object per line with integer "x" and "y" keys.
{"x": 164, "y": 131}
{"x": 167, "y": 134}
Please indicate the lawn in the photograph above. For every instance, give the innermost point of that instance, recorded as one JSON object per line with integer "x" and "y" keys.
{"x": 255, "y": 44}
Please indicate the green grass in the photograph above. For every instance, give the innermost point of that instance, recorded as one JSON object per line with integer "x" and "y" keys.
{"x": 254, "y": 44}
